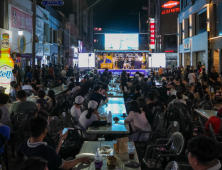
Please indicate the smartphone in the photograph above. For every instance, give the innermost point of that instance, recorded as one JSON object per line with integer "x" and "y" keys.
{"x": 64, "y": 131}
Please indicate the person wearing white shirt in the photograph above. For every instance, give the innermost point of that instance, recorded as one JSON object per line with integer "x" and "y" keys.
{"x": 138, "y": 122}
{"x": 63, "y": 73}
{"x": 27, "y": 86}
{"x": 75, "y": 110}
{"x": 192, "y": 78}
{"x": 77, "y": 87}
{"x": 87, "y": 118}
{"x": 13, "y": 78}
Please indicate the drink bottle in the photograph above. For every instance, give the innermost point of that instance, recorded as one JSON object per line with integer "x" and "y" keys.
{"x": 6, "y": 63}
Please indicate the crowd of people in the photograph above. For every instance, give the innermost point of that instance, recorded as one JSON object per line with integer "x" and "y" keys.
{"x": 144, "y": 101}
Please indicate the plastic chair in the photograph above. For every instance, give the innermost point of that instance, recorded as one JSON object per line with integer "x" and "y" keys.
{"x": 4, "y": 155}
{"x": 173, "y": 148}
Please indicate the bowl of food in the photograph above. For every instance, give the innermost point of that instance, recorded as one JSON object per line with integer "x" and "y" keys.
{"x": 111, "y": 160}
{"x": 116, "y": 119}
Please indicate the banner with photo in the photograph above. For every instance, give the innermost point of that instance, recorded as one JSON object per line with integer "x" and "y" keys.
{"x": 131, "y": 60}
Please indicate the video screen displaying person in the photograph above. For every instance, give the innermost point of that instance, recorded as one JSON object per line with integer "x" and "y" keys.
{"x": 105, "y": 60}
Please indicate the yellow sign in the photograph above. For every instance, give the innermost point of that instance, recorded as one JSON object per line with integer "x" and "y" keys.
{"x": 106, "y": 65}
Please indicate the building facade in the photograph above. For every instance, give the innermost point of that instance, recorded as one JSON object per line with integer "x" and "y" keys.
{"x": 200, "y": 33}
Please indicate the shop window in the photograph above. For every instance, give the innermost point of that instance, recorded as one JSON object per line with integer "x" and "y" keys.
{"x": 46, "y": 32}
{"x": 219, "y": 19}
{"x": 201, "y": 21}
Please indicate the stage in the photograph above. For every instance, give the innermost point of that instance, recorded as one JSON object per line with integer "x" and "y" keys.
{"x": 145, "y": 72}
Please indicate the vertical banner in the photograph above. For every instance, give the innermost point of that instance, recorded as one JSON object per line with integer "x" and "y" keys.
{"x": 152, "y": 33}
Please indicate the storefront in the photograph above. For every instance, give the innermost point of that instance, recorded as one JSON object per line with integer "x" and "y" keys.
{"x": 53, "y": 54}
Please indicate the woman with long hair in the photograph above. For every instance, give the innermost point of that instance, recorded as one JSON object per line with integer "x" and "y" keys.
{"x": 52, "y": 100}
{"x": 138, "y": 122}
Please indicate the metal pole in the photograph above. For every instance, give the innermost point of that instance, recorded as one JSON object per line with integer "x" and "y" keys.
{"x": 33, "y": 35}
{"x": 139, "y": 24}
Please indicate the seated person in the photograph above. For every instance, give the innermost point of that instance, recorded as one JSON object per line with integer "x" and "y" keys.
{"x": 75, "y": 110}
{"x": 206, "y": 103}
{"x": 71, "y": 85}
{"x": 27, "y": 86}
{"x": 5, "y": 131}
{"x": 96, "y": 96}
{"x": 62, "y": 80}
{"x": 148, "y": 112}
{"x": 215, "y": 122}
{"x": 48, "y": 139}
{"x": 137, "y": 92}
{"x": 129, "y": 83}
{"x": 205, "y": 91}
{"x": 11, "y": 85}
{"x": 14, "y": 92}
{"x": 34, "y": 85}
{"x": 22, "y": 104}
{"x": 199, "y": 94}
{"x": 104, "y": 89}
{"x": 52, "y": 100}
{"x": 138, "y": 121}
{"x": 84, "y": 79}
{"x": 41, "y": 101}
{"x": 87, "y": 118}
{"x": 151, "y": 101}
{"x": 203, "y": 153}
{"x": 176, "y": 82}
{"x": 77, "y": 87}
{"x": 5, "y": 117}
{"x": 34, "y": 164}
{"x": 178, "y": 100}
{"x": 35, "y": 147}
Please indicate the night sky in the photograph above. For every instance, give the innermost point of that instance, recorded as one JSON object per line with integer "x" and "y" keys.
{"x": 116, "y": 15}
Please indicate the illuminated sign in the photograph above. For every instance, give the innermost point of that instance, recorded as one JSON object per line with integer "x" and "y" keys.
{"x": 169, "y": 51}
{"x": 152, "y": 33}
{"x": 170, "y": 4}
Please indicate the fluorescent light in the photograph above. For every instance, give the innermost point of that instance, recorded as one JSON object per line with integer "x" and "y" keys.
{"x": 20, "y": 32}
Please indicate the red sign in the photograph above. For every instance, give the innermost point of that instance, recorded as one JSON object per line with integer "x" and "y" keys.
{"x": 21, "y": 20}
{"x": 170, "y": 4}
{"x": 169, "y": 51}
{"x": 152, "y": 33}
{"x": 168, "y": 11}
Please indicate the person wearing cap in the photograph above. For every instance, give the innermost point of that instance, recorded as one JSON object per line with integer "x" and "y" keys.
{"x": 87, "y": 118}
{"x": 203, "y": 153}
{"x": 215, "y": 122}
{"x": 75, "y": 110}
{"x": 213, "y": 76}
{"x": 77, "y": 87}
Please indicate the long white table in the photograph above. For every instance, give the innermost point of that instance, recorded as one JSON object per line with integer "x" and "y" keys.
{"x": 91, "y": 147}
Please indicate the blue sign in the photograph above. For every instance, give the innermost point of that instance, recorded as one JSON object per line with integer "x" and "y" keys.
{"x": 145, "y": 72}
{"x": 53, "y": 3}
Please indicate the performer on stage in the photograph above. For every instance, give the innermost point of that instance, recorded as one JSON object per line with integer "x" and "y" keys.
{"x": 126, "y": 63}
{"x": 119, "y": 62}
{"x": 132, "y": 63}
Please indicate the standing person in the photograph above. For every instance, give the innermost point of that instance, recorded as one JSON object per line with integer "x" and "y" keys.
{"x": 213, "y": 79}
{"x": 125, "y": 63}
{"x": 182, "y": 73}
{"x": 56, "y": 71}
{"x": 46, "y": 70}
{"x": 132, "y": 63}
{"x": 37, "y": 74}
{"x": 203, "y": 76}
{"x": 13, "y": 78}
{"x": 51, "y": 72}
{"x": 160, "y": 71}
{"x": 5, "y": 117}
{"x": 29, "y": 75}
{"x": 63, "y": 73}
{"x": 192, "y": 79}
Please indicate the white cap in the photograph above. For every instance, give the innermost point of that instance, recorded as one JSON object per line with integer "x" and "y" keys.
{"x": 79, "y": 100}
{"x": 92, "y": 104}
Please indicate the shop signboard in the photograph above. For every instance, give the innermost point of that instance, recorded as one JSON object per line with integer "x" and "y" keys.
{"x": 152, "y": 33}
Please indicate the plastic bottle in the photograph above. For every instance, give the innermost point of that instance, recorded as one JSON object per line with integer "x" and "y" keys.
{"x": 6, "y": 63}
{"x": 109, "y": 117}
{"x": 98, "y": 160}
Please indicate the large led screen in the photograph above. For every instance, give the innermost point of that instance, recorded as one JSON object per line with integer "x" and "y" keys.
{"x": 157, "y": 60}
{"x": 86, "y": 60}
{"x": 121, "y": 42}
